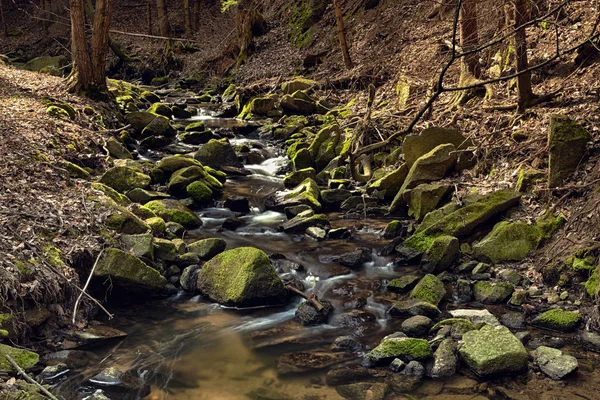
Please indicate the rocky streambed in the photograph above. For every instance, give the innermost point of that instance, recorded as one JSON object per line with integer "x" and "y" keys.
{"x": 411, "y": 290}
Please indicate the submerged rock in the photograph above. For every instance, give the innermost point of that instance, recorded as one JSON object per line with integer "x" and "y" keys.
{"x": 492, "y": 351}
{"x": 306, "y": 361}
{"x": 554, "y": 362}
{"x": 242, "y": 277}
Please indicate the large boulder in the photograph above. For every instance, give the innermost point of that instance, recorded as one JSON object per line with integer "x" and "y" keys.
{"x": 426, "y": 198}
{"x": 139, "y": 120}
{"x": 174, "y": 211}
{"x": 415, "y": 146}
{"x": 207, "y": 248}
{"x": 124, "y": 179}
{"x": 218, "y": 154}
{"x": 463, "y": 221}
{"x": 159, "y": 126}
{"x": 298, "y": 103}
{"x": 128, "y": 272}
{"x": 296, "y": 177}
{"x": 429, "y": 289}
{"x": 180, "y": 180}
{"x": 299, "y": 83}
{"x": 49, "y": 64}
{"x": 441, "y": 255}
{"x": 241, "y": 277}
{"x": 168, "y": 165}
{"x": 390, "y": 183}
{"x": 323, "y": 147}
{"x": 431, "y": 166}
{"x": 261, "y": 107}
{"x": 306, "y": 193}
{"x": 491, "y": 351}
{"x": 566, "y": 146}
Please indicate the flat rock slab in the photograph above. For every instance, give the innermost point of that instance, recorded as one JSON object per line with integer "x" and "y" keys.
{"x": 96, "y": 335}
{"x": 476, "y": 316}
{"x": 554, "y": 362}
{"x": 305, "y": 361}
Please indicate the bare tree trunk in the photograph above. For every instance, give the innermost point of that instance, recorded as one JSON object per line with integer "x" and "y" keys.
{"x": 196, "y": 15}
{"x": 469, "y": 37}
{"x": 4, "y": 27}
{"x": 342, "y": 35}
{"x": 187, "y": 17}
{"x": 45, "y": 7}
{"x": 524, "y": 90}
{"x": 149, "y": 16}
{"x": 243, "y": 23}
{"x": 89, "y": 61}
{"x": 163, "y": 18}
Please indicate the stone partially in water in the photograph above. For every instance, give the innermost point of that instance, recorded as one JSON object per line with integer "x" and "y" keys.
{"x": 417, "y": 326}
{"x": 207, "y": 248}
{"x": 407, "y": 349}
{"x": 554, "y": 362}
{"x": 242, "y": 277}
{"x": 24, "y": 358}
{"x": 307, "y": 314}
{"x": 218, "y": 154}
{"x": 558, "y": 320}
{"x": 429, "y": 289}
{"x": 492, "y": 351}
{"x": 300, "y": 223}
{"x": 308, "y": 361}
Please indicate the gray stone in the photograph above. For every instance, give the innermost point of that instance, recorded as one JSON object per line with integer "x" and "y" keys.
{"x": 567, "y": 143}
{"x": 493, "y": 293}
{"x": 464, "y": 292}
{"x": 414, "y": 146}
{"x": 554, "y": 362}
{"x": 441, "y": 255}
{"x": 444, "y": 360}
{"x": 409, "y": 308}
{"x": 397, "y": 365}
{"x": 307, "y": 314}
{"x": 415, "y": 369}
{"x": 417, "y": 326}
{"x": 316, "y": 233}
{"x": 476, "y": 316}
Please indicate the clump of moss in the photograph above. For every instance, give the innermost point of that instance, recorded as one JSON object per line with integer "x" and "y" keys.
{"x": 157, "y": 224}
{"x": 403, "y": 348}
{"x": 429, "y": 289}
{"x": 175, "y": 211}
{"x": 558, "y": 320}
{"x": 53, "y": 256}
{"x": 199, "y": 192}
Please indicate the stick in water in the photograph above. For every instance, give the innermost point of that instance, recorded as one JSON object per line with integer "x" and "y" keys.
{"x": 29, "y": 379}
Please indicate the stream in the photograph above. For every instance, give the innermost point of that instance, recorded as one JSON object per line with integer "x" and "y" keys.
{"x": 186, "y": 347}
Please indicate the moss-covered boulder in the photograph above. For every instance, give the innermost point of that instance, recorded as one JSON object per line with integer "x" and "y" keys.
{"x": 426, "y": 198}
{"x": 47, "y": 63}
{"x": 123, "y": 179}
{"x": 306, "y": 193}
{"x": 159, "y": 127}
{"x": 415, "y": 146}
{"x": 566, "y": 147}
{"x": 139, "y": 120}
{"x": 180, "y": 180}
{"x": 157, "y": 224}
{"x": 295, "y": 178}
{"x": 299, "y": 83}
{"x": 305, "y": 220}
{"x": 199, "y": 192}
{"x": 241, "y": 277}
{"x": 24, "y": 359}
{"x": 261, "y": 107}
{"x": 492, "y": 351}
{"x": 528, "y": 177}
{"x": 463, "y": 221}
{"x": 412, "y": 307}
{"x": 441, "y": 255}
{"x": 126, "y": 271}
{"x": 174, "y": 211}
{"x": 431, "y": 166}
{"x": 144, "y": 196}
{"x": 117, "y": 197}
{"x": 323, "y": 147}
{"x": 197, "y": 138}
{"x": 298, "y": 103}
{"x": 150, "y": 96}
{"x": 558, "y": 320}
{"x": 138, "y": 245}
{"x": 429, "y": 289}
{"x": 513, "y": 241}
{"x": 117, "y": 150}
{"x": 302, "y": 159}
{"x": 406, "y": 349}
{"x": 167, "y": 165}
{"x": 218, "y": 154}
{"x": 166, "y": 250}
{"x": 493, "y": 293}
{"x": 390, "y": 183}
{"x": 207, "y": 248}
{"x": 161, "y": 109}
{"x": 124, "y": 221}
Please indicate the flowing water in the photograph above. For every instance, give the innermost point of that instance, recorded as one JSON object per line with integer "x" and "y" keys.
{"x": 186, "y": 347}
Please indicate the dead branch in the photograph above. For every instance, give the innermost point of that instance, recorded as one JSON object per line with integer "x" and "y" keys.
{"x": 87, "y": 283}
{"x": 310, "y": 298}
{"x": 30, "y": 379}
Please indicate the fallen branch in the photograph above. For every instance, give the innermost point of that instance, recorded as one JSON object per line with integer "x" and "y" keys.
{"x": 310, "y": 298}
{"x": 30, "y": 379}
{"x": 87, "y": 283}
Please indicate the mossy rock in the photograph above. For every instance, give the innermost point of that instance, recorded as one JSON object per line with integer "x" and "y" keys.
{"x": 150, "y": 96}
{"x": 390, "y": 183}
{"x": 58, "y": 112}
{"x": 123, "y": 179}
{"x": 199, "y": 192}
{"x": 415, "y": 146}
{"x": 296, "y": 84}
{"x": 165, "y": 250}
{"x": 197, "y": 138}
{"x": 159, "y": 126}
{"x": 528, "y": 178}
{"x": 441, "y": 255}
{"x": 117, "y": 150}
{"x": 124, "y": 221}
{"x": 241, "y": 277}
{"x": 207, "y": 248}
{"x": 76, "y": 171}
{"x": 138, "y": 245}
{"x": 459, "y": 326}
{"x": 139, "y": 120}
{"x": 426, "y": 198}
{"x": 323, "y": 147}
{"x": 300, "y": 223}
{"x": 463, "y": 221}
{"x": 160, "y": 109}
{"x": 295, "y": 178}
{"x": 141, "y": 211}
{"x": 167, "y": 165}
{"x": 261, "y": 106}
{"x": 174, "y": 211}
{"x": 218, "y": 154}
{"x": 52, "y": 63}
{"x": 307, "y": 193}
{"x": 558, "y": 320}
{"x": 196, "y": 127}
{"x": 302, "y": 160}
{"x": 407, "y": 349}
{"x": 491, "y": 351}
{"x": 127, "y": 271}
{"x": 181, "y": 112}
{"x": 229, "y": 93}
{"x": 404, "y": 283}
{"x": 493, "y": 293}
{"x": 157, "y": 224}
{"x": 159, "y": 81}
{"x": 144, "y": 196}
{"x": 567, "y": 142}
{"x": 182, "y": 178}
{"x": 429, "y": 289}
{"x": 24, "y": 359}
{"x": 298, "y": 103}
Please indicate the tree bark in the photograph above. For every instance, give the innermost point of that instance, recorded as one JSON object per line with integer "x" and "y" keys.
{"x": 149, "y": 16}
{"x": 196, "y": 15}
{"x": 244, "y": 28}
{"x": 187, "y": 16}
{"x": 163, "y": 18}
{"x": 4, "y": 27}
{"x": 342, "y": 34}
{"x": 469, "y": 38}
{"x": 524, "y": 90}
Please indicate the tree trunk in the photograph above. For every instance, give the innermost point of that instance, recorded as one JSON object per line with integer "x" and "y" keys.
{"x": 469, "y": 38}
{"x": 149, "y": 16}
{"x": 524, "y": 90}
{"x": 4, "y": 27}
{"x": 243, "y": 23}
{"x": 163, "y": 18}
{"x": 187, "y": 17}
{"x": 341, "y": 34}
{"x": 45, "y": 15}
{"x": 196, "y": 15}
{"x": 89, "y": 60}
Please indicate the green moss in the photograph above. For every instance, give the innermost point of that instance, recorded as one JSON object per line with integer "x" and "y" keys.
{"x": 150, "y": 96}
{"x": 558, "y": 319}
{"x": 459, "y": 325}
{"x": 196, "y": 127}
{"x": 113, "y": 194}
{"x": 403, "y": 348}
{"x": 304, "y": 14}
{"x": 429, "y": 289}
{"x": 58, "y": 112}
{"x": 53, "y": 256}
{"x": 199, "y": 192}
{"x": 157, "y": 224}
{"x": 175, "y": 211}
{"x": 591, "y": 285}
{"x": 23, "y": 268}
{"x": 123, "y": 179}
{"x": 76, "y": 171}
{"x": 159, "y": 81}
{"x": 24, "y": 358}
{"x": 127, "y": 268}
{"x": 489, "y": 293}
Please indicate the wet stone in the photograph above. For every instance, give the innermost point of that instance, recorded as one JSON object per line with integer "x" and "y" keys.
{"x": 53, "y": 372}
{"x": 237, "y": 204}
{"x": 306, "y": 314}
{"x": 417, "y": 326}
{"x": 414, "y": 369}
{"x": 232, "y": 223}
{"x": 404, "y": 283}
{"x": 545, "y": 340}
{"x": 397, "y": 365}
{"x": 554, "y": 362}
{"x": 409, "y": 308}
{"x": 346, "y": 343}
{"x": 300, "y": 362}
{"x": 513, "y": 320}
{"x": 339, "y": 233}
{"x": 407, "y": 256}
{"x": 463, "y": 292}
